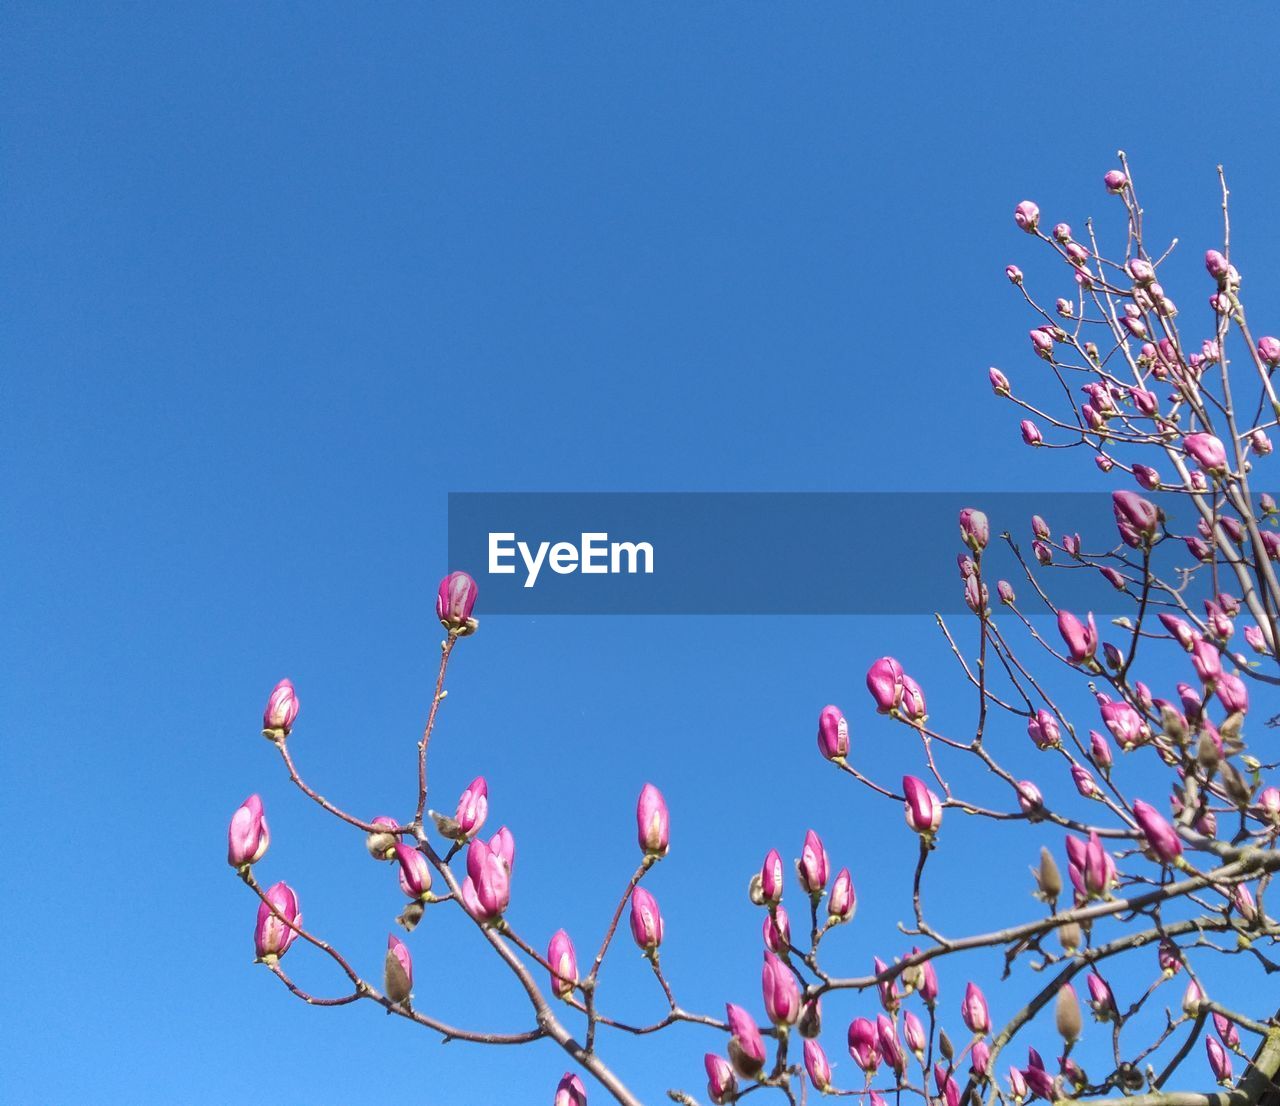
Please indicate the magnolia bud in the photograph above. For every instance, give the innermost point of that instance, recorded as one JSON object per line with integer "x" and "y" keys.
{"x": 381, "y": 843}
{"x": 653, "y": 822}
{"x": 646, "y": 921}
{"x": 1115, "y": 181}
{"x": 1066, "y": 1014}
{"x": 973, "y": 1010}
{"x": 248, "y": 835}
{"x": 781, "y": 992}
{"x": 564, "y": 964}
{"x": 816, "y": 1064}
{"x": 277, "y": 929}
{"x": 398, "y": 971}
{"x": 722, "y": 1085}
{"x": 455, "y": 599}
{"x": 1027, "y": 216}
{"x": 833, "y": 734}
{"x": 281, "y": 711}
{"x": 570, "y": 1091}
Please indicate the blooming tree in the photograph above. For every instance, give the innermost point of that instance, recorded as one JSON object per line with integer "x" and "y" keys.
{"x": 1167, "y": 865}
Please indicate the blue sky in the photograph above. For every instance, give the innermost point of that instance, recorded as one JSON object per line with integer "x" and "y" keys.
{"x": 280, "y": 278}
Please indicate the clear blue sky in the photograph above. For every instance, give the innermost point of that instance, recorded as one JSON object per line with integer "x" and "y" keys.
{"x": 279, "y": 278}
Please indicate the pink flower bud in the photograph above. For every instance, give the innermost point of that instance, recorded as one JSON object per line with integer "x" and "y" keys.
{"x": 777, "y": 931}
{"x": 1004, "y": 589}
{"x": 1208, "y": 452}
{"x": 1030, "y": 800}
{"x": 816, "y": 1064}
{"x": 455, "y": 600}
{"x": 248, "y": 835}
{"x": 564, "y": 964}
{"x": 1269, "y": 350}
{"x": 653, "y": 822}
{"x": 282, "y": 710}
{"x": 1105, "y": 464}
{"x": 890, "y": 1050}
{"x": 746, "y": 1046}
{"x": 781, "y": 993}
{"x": 1084, "y": 782}
{"x": 833, "y": 734}
{"x": 771, "y": 877}
{"x": 473, "y": 807}
{"x": 1042, "y": 342}
{"x": 722, "y": 1086}
{"x": 862, "y": 1045}
{"x": 1226, "y": 1029}
{"x": 1101, "y": 998}
{"x": 929, "y": 984}
{"x": 1081, "y": 640}
{"x": 844, "y": 899}
{"x": 1115, "y": 181}
{"x": 1141, "y": 270}
{"x": 884, "y": 681}
{"x": 1257, "y": 640}
{"x": 1124, "y": 724}
{"x": 1161, "y": 837}
{"x": 1207, "y": 661}
{"x": 1017, "y": 1085}
{"x": 1181, "y": 631}
{"x": 570, "y": 1091}
{"x": 1062, "y": 233}
{"x": 1136, "y": 518}
{"x": 490, "y": 881}
{"x": 646, "y": 920}
{"x": 1147, "y": 477}
{"x": 999, "y": 382}
{"x": 1043, "y": 730}
{"x": 1013, "y": 273}
{"x": 975, "y": 531}
{"x": 1065, "y": 307}
{"x": 1260, "y": 443}
{"x": 1043, "y": 554}
{"x": 948, "y": 1088}
{"x": 1099, "y": 750}
{"x": 1269, "y": 805}
{"x": 382, "y": 843}
{"x": 887, "y": 988}
{"x": 1216, "y": 263}
{"x": 1031, "y": 433}
{"x": 1169, "y": 958}
{"x": 923, "y": 808}
{"x": 415, "y": 871}
{"x": 275, "y": 932}
{"x": 1192, "y": 998}
{"x": 1232, "y": 694}
{"x": 1219, "y": 1060}
{"x": 913, "y": 1033}
{"x": 974, "y": 1011}
{"x": 975, "y": 598}
{"x": 398, "y": 971}
{"x": 913, "y": 705}
{"x": 980, "y": 1054}
{"x": 1027, "y": 216}
{"x": 813, "y": 865}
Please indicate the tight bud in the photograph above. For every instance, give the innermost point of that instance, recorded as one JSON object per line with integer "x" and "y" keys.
{"x": 974, "y": 1011}
{"x": 884, "y": 681}
{"x": 746, "y": 1046}
{"x": 382, "y": 843}
{"x": 816, "y": 1064}
{"x": 1027, "y": 216}
{"x": 415, "y": 871}
{"x": 570, "y": 1091}
{"x": 275, "y": 932}
{"x": 722, "y": 1086}
{"x": 646, "y": 921}
{"x": 653, "y": 823}
{"x": 564, "y": 964}
{"x": 1160, "y": 836}
{"x": 922, "y": 807}
{"x": 281, "y": 711}
{"x": 248, "y": 835}
{"x": 813, "y": 865}
{"x": 398, "y": 970}
{"x": 781, "y": 993}
{"x": 833, "y": 734}
{"x": 455, "y": 599}
{"x": 844, "y": 900}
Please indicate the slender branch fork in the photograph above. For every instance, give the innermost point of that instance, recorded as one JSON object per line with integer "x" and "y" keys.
{"x": 1191, "y": 885}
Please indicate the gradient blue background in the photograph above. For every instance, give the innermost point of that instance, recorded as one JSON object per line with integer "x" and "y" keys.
{"x": 279, "y": 278}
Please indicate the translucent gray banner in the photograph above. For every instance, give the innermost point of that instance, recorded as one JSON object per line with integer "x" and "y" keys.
{"x": 782, "y": 553}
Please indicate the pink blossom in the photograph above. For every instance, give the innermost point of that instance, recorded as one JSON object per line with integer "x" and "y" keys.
{"x": 746, "y": 1046}
{"x": 781, "y": 993}
{"x": 833, "y": 734}
{"x": 277, "y": 929}
{"x": 722, "y": 1086}
{"x": 398, "y": 970}
{"x": 923, "y": 808}
{"x": 653, "y": 823}
{"x": 1027, "y": 216}
{"x": 646, "y": 920}
{"x": 817, "y": 1065}
{"x": 813, "y": 865}
{"x": 564, "y": 964}
{"x": 844, "y": 900}
{"x": 884, "y": 681}
{"x": 455, "y": 599}
{"x": 1081, "y": 640}
{"x": 281, "y": 710}
{"x": 248, "y": 835}
{"x": 1160, "y": 836}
